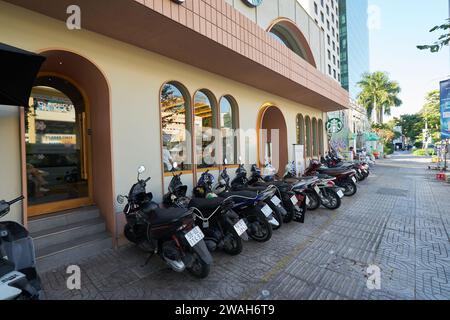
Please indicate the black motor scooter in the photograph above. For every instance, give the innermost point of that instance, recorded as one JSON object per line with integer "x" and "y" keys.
{"x": 223, "y": 228}
{"x": 18, "y": 277}
{"x": 171, "y": 233}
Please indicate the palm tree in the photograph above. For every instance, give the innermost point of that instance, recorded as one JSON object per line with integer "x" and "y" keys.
{"x": 378, "y": 93}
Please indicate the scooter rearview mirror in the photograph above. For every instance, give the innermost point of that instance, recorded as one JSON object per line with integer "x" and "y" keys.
{"x": 141, "y": 169}
{"x": 120, "y": 199}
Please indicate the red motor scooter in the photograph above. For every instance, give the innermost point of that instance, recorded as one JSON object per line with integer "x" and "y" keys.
{"x": 345, "y": 178}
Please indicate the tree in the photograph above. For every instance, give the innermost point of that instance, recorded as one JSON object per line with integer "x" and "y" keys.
{"x": 443, "y": 39}
{"x": 378, "y": 93}
{"x": 431, "y": 113}
{"x": 412, "y": 125}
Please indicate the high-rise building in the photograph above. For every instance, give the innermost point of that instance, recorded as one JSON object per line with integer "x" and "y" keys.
{"x": 326, "y": 15}
{"x": 354, "y": 43}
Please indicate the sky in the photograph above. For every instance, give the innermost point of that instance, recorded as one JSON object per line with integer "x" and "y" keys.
{"x": 396, "y": 28}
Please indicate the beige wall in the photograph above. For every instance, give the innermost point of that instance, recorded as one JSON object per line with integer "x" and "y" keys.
{"x": 10, "y": 168}
{"x": 135, "y": 77}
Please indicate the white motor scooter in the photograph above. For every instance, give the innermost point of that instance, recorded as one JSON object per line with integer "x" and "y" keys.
{"x": 18, "y": 276}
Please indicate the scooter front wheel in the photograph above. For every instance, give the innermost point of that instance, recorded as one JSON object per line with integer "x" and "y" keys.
{"x": 233, "y": 243}
{"x": 199, "y": 269}
{"x": 350, "y": 188}
{"x": 332, "y": 200}
{"x": 314, "y": 200}
{"x": 277, "y": 215}
{"x": 260, "y": 229}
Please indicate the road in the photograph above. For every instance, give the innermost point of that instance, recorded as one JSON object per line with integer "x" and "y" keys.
{"x": 397, "y": 223}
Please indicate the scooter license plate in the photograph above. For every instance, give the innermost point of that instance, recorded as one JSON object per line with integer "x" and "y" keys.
{"x": 340, "y": 194}
{"x": 194, "y": 236}
{"x": 275, "y": 200}
{"x": 307, "y": 200}
{"x": 294, "y": 200}
{"x": 266, "y": 210}
{"x": 317, "y": 189}
{"x": 354, "y": 179}
{"x": 240, "y": 227}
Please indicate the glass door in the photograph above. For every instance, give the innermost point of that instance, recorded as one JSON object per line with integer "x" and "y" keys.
{"x": 56, "y": 148}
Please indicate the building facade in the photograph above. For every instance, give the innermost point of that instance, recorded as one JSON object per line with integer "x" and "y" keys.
{"x": 354, "y": 62}
{"x": 148, "y": 87}
{"x": 326, "y": 15}
{"x": 354, "y": 43}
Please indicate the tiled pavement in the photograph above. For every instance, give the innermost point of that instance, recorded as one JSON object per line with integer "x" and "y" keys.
{"x": 399, "y": 221}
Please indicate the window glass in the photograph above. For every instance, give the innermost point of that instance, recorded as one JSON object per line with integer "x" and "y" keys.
{"x": 300, "y": 130}
{"x": 308, "y": 136}
{"x": 227, "y": 124}
{"x": 321, "y": 142}
{"x": 315, "y": 144}
{"x": 176, "y": 128}
{"x": 204, "y": 122}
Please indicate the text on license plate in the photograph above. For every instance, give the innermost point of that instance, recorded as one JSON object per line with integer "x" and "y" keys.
{"x": 266, "y": 210}
{"x": 340, "y": 194}
{"x": 294, "y": 200}
{"x": 240, "y": 227}
{"x": 275, "y": 200}
{"x": 194, "y": 236}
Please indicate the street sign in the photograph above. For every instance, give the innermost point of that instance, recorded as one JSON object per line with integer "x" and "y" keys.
{"x": 445, "y": 109}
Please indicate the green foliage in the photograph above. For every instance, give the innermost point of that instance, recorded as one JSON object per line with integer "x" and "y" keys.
{"x": 443, "y": 39}
{"x": 388, "y": 149}
{"x": 423, "y": 152}
{"x": 412, "y": 125}
{"x": 431, "y": 113}
{"x": 379, "y": 94}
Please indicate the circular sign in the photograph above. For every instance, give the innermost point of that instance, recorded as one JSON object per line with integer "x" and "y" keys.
{"x": 334, "y": 125}
{"x": 252, "y": 3}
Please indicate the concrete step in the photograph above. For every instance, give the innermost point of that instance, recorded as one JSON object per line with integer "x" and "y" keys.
{"x": 65, "y": 233}
{"x": 72, "y": 252}
{"x": 63, "y": 218}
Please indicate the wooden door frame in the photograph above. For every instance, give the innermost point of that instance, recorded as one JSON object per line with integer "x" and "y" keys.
{"x": 47, "y": 208}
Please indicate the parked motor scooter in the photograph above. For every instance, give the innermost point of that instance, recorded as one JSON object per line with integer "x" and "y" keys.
{"x": 345, "y": 178}
{"x": 248, "y": 205}
{"x": 171, "y": 233}
{"x": 288, "y": 196}
{"x": 222, "y": 227}
{"x": 18, "y": 276}
{"x": 319, "y": 191}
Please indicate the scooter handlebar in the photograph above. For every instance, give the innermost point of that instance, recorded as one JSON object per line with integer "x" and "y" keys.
{"x": 16, "y": 200}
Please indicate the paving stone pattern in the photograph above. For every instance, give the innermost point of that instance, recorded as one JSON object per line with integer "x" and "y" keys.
{"x": 399, "y": 221}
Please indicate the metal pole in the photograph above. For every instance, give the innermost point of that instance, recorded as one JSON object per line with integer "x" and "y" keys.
{"x": 445, "y": 155}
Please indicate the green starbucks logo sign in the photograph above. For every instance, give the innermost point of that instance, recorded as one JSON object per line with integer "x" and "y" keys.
{"x": 334, "y": 125}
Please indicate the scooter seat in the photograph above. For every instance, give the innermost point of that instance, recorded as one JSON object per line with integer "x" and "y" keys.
{"x": 206, "y": 204}
{"x": 239, "y": 196}
{"x": 333, "y": 171}
{"x": 164, "y": 216}
{"x": 6, "y": 267}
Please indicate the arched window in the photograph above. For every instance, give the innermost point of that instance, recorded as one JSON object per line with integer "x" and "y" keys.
{"x": 205, "y": 120}
{"x": 228, "y": 125}
{"x": 315, "y": 140}
{"x": 176, "y": 126}
{"x": 321, "y": 142}
{"x": 300, "y": 130}
{"x": 288, "y": 33}
{"x": 308, "y": 136}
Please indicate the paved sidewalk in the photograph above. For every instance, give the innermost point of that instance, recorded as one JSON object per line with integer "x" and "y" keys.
{"x": 399, "y": 221}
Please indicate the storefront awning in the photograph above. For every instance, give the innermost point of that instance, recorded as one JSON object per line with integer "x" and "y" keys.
{"x": 18, "y": 70}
